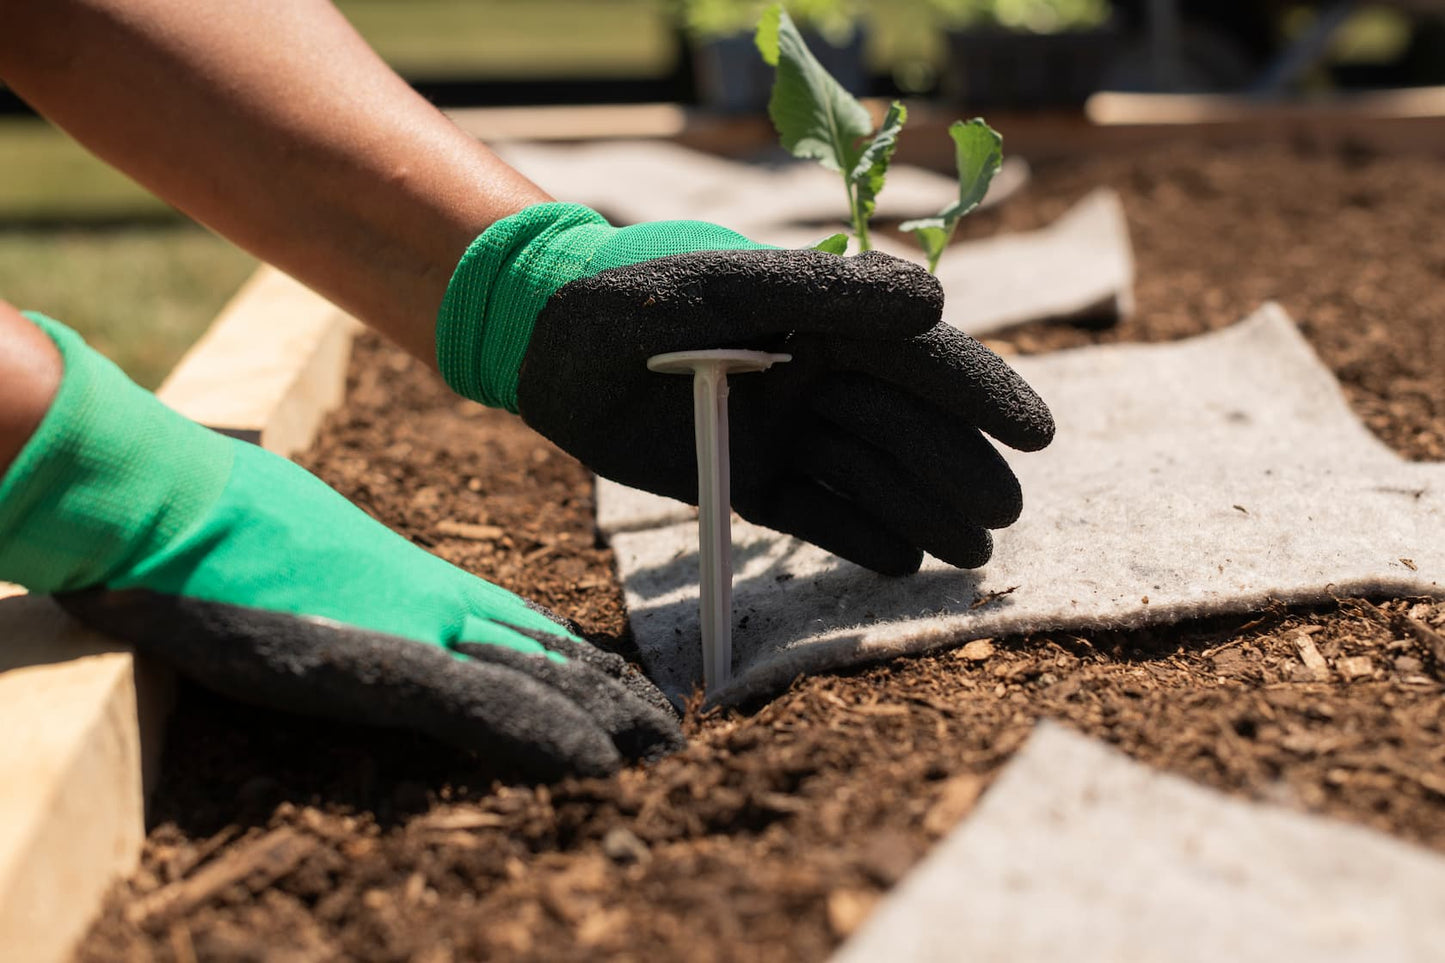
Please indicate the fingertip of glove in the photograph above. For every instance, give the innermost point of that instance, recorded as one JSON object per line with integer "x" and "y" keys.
{"x": 969, "y": 553}
{"x": 894, "y": 559}
{"x": 630, "y": 716}
{"x": 815, "y": 514}
{"x": 895, "y": 567}
{"x": 1034, "y": 427}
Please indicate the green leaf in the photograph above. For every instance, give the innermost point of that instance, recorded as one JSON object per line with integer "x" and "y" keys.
{"x": 868, "y": 174}
{"x": 833, "y": 244}
{"x": 815, "y": 117}
{"x": 932, "y": 234}
{"x": 977, "y": 152}
{"x": 766, "y": 36}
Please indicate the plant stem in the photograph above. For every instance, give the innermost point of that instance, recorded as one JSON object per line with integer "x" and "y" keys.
{"x": 937, "y": 256}
{"x": 860, "y": 226}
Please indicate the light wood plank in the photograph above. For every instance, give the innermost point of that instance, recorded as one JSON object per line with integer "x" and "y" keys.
{"x": 71, "y": 792}
{"x": 270, "y": 367}
{"x": 1117, "y": 108}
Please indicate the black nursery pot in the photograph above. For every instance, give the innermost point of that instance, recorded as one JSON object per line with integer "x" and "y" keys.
{"x": 732, "y": 77}
{"x": 996, "y": 68}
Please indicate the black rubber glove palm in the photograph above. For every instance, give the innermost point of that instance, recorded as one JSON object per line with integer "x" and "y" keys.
{"x": 870, "y": 443}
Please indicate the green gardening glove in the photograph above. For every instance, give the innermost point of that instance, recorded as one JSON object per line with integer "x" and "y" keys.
{"x": 250, "y": 575}
{"x": 869, "y": 443}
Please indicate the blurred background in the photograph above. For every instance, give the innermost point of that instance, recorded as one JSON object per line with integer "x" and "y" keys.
{"x": 81, "y": 242}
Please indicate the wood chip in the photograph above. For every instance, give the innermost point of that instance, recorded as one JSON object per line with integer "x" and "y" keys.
{"x": 887, "y": 856}
{"x": 1423, "y": 777}
{"x": 592, "y": 583}
{"x": 187, "y": 861}
{"x": 1355, "y": 667}
{"x": 988, "y": 598}
{"x": 182, "y": 948}
{"x": 265, "y": 860}
{"x": 848, "y": 908}
{"x": 955, "y": 800}
{"x": 459, "y": 820}
{"x": 880, "y": 709}
{"x": 537, "y": 554}
{"x": 780, "y": 802}
{"x": 1432, "y": 640}
{"x": 469, "y": 530}
{"x": 976, "y": 651}
{"x": 1430, "y": 781}
{"x": 1315, "y": 662}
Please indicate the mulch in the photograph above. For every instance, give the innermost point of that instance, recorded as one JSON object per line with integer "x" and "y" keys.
{"x": 775, "y": 832}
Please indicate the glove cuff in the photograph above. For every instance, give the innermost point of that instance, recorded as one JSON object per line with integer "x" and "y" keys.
{"x": 498, "y": 289}
{"x": 109, "y": 475}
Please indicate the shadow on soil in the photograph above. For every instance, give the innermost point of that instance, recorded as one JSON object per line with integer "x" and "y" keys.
{"x": 228, "y": 763}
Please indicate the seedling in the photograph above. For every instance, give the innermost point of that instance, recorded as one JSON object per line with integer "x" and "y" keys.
{"x": 977, "y": 152}
{"x": 710, "y": 370}
{"x": 817, "y": 119}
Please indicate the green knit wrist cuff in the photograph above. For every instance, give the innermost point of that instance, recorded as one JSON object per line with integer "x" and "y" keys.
{"x": 500, "y": 286}
{"x": 95, "y": 489}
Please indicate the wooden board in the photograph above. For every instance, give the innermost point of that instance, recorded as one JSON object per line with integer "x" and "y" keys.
{"x": 73, "y": 762}
{"x": 270, "y": 367}
{"x": 1402, "y": 120}
{"x": 83, "y": 718}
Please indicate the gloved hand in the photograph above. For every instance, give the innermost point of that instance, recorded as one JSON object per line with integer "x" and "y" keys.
{"x": 250, "y": 575}
{"x": 869, "y": 443}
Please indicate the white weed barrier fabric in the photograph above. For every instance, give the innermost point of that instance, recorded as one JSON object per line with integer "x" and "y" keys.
{"x": 994, "y": 284}
{"x": 1201, "y": 477}
{"x": 1084, "y": 259}
{"x": 1079, "y": 855}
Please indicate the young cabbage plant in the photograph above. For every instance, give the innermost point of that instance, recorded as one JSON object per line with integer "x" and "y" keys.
{"x": 817, "y": 119}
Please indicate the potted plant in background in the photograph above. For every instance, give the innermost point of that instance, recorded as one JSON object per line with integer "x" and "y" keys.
{"x": 1025, "y": 53}
{"x": 727, "y": 73}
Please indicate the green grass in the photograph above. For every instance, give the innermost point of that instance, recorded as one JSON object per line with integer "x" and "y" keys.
{"x": 141, "y": 296}
{"x": 579, "y": 38}
{"x": 44, "y": 175}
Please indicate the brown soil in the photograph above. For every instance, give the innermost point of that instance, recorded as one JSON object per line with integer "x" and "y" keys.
{"x": 774, "y": 833}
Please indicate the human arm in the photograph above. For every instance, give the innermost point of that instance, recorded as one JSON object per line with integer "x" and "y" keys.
{"x": 273, "y": 123}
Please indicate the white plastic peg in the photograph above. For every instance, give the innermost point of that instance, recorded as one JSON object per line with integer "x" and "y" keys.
{"x": 710, "y": 370}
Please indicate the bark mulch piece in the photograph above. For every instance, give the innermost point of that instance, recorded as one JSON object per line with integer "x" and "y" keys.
{"x": 777, "y": 830}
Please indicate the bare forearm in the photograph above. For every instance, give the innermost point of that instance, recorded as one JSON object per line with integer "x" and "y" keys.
{"x": 30, "y": 372}
{"x": 273, "y": 123}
